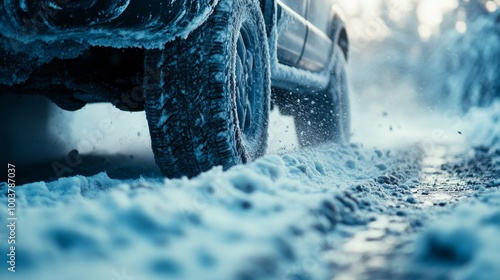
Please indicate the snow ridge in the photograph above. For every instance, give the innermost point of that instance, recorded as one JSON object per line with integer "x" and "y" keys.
{"x": 271, "y": 219}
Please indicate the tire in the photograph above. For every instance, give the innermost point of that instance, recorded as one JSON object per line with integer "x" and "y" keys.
{"x": 324, "y": 116}
{"x": 209, "y": 103}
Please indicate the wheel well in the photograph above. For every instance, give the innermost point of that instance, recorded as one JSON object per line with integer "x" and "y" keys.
{"x": 343, "y": 42}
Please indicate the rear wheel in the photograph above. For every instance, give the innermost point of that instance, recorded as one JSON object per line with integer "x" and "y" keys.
{"x": 324, "y": 116}
{"x": 207, "y": 96}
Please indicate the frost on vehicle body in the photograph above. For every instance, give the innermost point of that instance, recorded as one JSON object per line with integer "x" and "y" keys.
{"x": 118, "y": 23}
{"x": 33, "y": 33}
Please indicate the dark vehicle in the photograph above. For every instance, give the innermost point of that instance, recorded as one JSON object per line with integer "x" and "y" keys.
{"x": 203, "y": 70}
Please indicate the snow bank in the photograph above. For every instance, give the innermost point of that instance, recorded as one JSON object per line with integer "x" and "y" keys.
{"x": 266, "y": 220}
{"x": 467, "y": 243}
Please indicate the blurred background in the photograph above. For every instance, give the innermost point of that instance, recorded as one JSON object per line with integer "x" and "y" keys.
{"x": 426, "y": 43}
{"x": 418, "y": 66}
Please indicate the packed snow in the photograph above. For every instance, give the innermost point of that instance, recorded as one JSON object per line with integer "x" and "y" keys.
{"x": 275, "y": 218}
{"x": 258, "y": 221}
{"x": 466, "y": 245}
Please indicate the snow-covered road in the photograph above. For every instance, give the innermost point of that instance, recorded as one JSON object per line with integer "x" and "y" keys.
{"x": 342, "y": 212}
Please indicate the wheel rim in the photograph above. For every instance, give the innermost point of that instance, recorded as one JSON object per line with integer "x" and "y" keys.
{"x": 245, "y": 84}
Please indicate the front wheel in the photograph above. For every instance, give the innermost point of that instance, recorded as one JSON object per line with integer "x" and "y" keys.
{"x": 207, "y": 96}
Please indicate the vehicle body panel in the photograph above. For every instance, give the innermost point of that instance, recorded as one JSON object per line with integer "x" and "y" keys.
{"x": 318, "y": 46}
{"x": 317, "y": 50}
{"x": 304, "y": 34}
{"x": 293, "y": 32}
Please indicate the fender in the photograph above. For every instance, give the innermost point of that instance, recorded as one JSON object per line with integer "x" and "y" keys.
{"x": 338, "y": 32}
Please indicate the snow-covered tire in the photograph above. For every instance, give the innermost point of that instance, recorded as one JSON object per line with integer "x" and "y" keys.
{"x": 324, "y": 116}
{"x": 209, "y": 105}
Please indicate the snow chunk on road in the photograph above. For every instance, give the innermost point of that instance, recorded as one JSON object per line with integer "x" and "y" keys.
{"x": 467, "y": 242}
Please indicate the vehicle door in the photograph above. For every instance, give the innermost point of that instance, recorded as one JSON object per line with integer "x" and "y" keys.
{"x": 292, "y": 31}
{"x": 317, "y": 50}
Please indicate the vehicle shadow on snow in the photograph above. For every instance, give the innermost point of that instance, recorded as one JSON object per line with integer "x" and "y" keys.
{"x": 116, "y": 166}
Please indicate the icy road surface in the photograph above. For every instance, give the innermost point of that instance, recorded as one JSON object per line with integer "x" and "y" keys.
{"x": 424, "y": 209}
